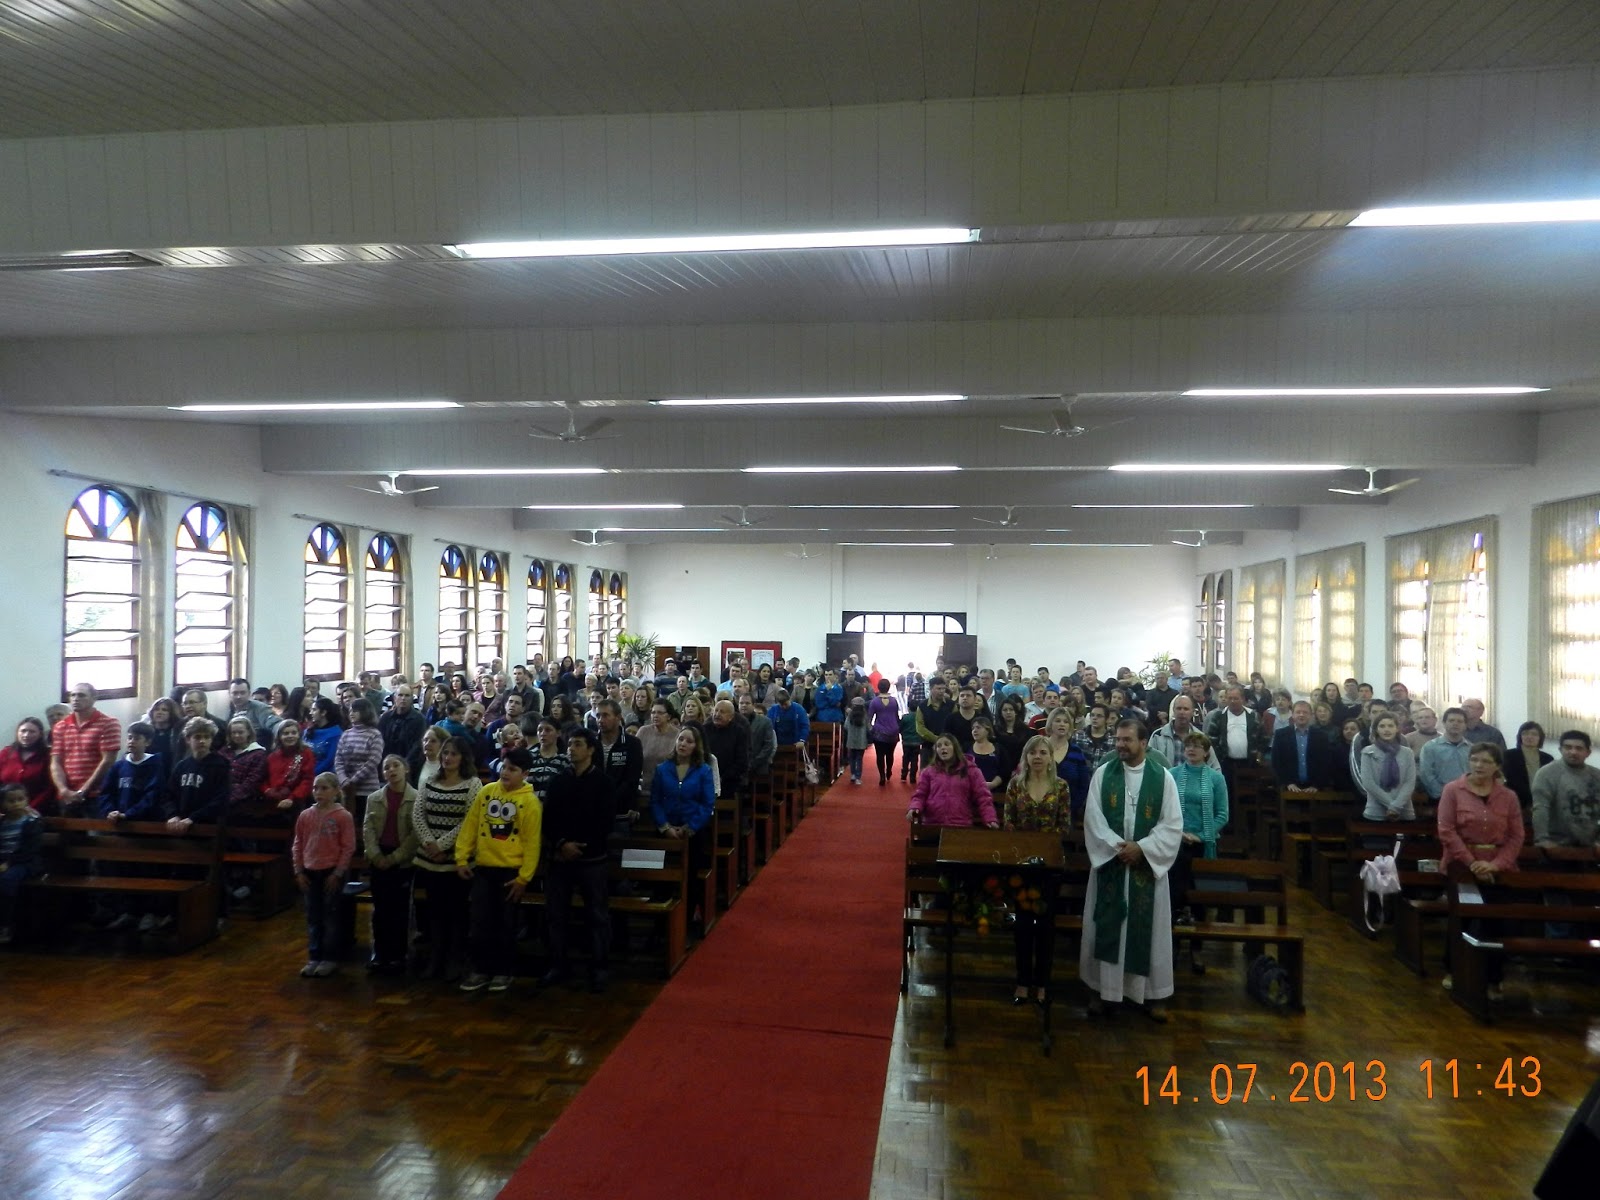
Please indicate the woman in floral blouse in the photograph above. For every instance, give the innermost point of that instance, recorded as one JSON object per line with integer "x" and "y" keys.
{"x": 1037, "y": 800}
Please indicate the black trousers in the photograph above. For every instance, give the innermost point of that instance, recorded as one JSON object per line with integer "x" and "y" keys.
{"x": 885, "y": 750}
{"x": 447, "y": 916}
{"x": 588, "y": 879}
{"x": 493, "y": 936}
{"x": 391, "y": 913}
{"x": 1035, "y": 938}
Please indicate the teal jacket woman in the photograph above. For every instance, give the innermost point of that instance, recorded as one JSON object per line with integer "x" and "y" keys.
{"x": 1203, "y": 794}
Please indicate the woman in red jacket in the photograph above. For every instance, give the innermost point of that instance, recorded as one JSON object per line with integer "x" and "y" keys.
{"x": 951, "y": 790}
{"x": 291, "y": 766}
{"x": 26, "y": 762}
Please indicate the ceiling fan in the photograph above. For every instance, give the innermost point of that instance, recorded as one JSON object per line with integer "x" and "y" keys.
{"x": 1372, "y": 488}
{"x": 592, "y": 540}
{"x": 1063, "y": 425}
{"x": 1009, "y": 521}
{"x": 390, "y": 487}
{"x": 572, "y": 433}
{"x": 744, "y": 521}
{"x": 804, "y": 553}
{"x": 1194, "y": 545}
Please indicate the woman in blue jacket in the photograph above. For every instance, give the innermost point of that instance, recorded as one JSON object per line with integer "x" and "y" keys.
{"x": 683, "y": 797}
{"x": 830, "y": 700}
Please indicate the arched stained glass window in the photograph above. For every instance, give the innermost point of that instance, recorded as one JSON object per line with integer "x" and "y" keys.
{"x": 455, "y": 611}
{"x": 597, "y": 616}
{"x": 491, "y": 609}
{"x": 327, "y": 604}
{"x": 100, "y": 613}
{"x": 383, "y": 612}
{"x": 562, "y": 639}
{"x": 206, "y": 605}
{"x": 538, "y": 608}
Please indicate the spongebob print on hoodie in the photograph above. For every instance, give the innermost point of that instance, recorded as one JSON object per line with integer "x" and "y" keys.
{"x": 502, "y": 829}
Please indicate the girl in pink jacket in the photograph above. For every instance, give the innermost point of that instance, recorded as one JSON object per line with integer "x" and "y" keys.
{"x": 951, "y": 790}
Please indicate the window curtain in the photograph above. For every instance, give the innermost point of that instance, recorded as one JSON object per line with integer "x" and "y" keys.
{"x": 1441, "y": 627}
{"x": 1244, "y": 622}
{"x": 1327, "y": 615}
{"x": 1565, "y": 632}
{"x": 1258, "y": 621}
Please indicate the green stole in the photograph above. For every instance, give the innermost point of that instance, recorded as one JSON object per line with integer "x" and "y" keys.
{"x": 1115, "y": 904}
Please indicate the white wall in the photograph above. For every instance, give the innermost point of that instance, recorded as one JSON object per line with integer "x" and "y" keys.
{"x": 1111, "y": 607}
{"x": 1567, "y": 464}
{"x": 222, "y": 463}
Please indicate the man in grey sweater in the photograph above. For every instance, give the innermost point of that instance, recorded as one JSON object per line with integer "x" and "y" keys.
{"x": 1566, "y": 797}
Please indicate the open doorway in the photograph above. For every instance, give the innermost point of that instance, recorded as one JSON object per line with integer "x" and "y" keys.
{"x": 892, "y": 651}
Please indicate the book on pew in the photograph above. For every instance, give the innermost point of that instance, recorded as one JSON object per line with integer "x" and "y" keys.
{"x": 644, "y": 860}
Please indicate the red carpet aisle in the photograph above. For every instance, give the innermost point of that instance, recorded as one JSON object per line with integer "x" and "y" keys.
{"x": 759, "y": 1069}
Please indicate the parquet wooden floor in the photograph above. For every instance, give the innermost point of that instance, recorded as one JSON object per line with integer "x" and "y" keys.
{"x": 992, "y": 1118}
{"x": 221, "y": 1073}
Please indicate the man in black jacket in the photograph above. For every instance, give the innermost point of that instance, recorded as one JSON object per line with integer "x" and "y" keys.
{"x": 728, "y": 738}
{"x": 579, "y": 811}
{"x": 1302, "y": 757}
{"x": 402, "y": 726}
{"x": 619, "y": 757}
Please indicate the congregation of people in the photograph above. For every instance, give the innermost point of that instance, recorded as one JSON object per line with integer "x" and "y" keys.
{"x": 471, "y": 784}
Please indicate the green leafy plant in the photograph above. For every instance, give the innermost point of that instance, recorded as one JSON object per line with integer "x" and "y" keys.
{"x": 1156, "y": 663}
{"x": 636, "y": 646}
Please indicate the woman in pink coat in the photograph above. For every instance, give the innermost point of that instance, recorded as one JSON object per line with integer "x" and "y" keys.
{"x": 951, "y": 790}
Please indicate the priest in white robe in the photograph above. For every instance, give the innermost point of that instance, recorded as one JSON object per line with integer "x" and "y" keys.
{"x": 1133, "y": 827}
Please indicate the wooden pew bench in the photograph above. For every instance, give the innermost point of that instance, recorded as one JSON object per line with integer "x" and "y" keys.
{"x": 661, "y": 893}
{"x": 1248, "y": 889}
{"x": 729, "y": 850}
{"x": 1519, "y": 927}
{"x": 1309, "y": 822}
{"x": 135, "y": 860}
{"x": 1334, "y": 868}
{"x": 269, "y": 866}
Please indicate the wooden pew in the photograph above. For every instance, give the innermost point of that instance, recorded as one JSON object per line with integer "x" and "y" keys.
{"x": 705, "y": 881}
{"x": 1309, "y": 821}
{"x": 270, "y": 865}
{"x": 661, "y": 893}
{"x": 730, "y": 835}
{"x": 1521, "y": 927}
{"x": 768, "y": 818}
{"x": 1335, "y": 868}
{"x": 922, "y": 882}
{"x": 82, "y": 844}
{"x": 1253, "y": 807}
{"x": 1251, "y": 889}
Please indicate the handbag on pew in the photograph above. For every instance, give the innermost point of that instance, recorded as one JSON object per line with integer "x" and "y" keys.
{"x": 813, "y": 776}
{"x": 1380, "y": 877}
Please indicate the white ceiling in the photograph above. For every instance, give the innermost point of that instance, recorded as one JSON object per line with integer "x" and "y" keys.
{"x": 1132, "y": 244}
{"x": 98, "y": 66}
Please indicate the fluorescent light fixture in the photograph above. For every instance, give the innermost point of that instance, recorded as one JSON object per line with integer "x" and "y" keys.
{"x": 662, "y": 529}
{"x": 731, "y": 401}
{"x": 311, "y": 406}
{"x": 1514, "y": 389}
{"x": 600, "y": 507}
{"x": 893, "y": 468}
{"x": 1201, "y": 468}
{"x": 935, "y": 545}
{"x": 1514, "y": 213}
{"x": 1094, "y": 545}
{"x": 718, "y": 243}
{"x": 928, "y": 507}
{"x": 1177, "y": 506}
{"x": 459, "y": 471}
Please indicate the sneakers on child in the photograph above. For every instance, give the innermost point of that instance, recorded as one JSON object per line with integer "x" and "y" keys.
{"x": 310, "y": 969}
{"x": 474, "y": 982}
{"x": 147, "y": 923}
{"x": 242, "y": 892}
{"x": 325, "y": 968}
{"x": 500, "y": 983}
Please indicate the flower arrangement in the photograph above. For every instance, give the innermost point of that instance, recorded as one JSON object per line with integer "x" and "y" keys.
{"x": 996, "y": 899}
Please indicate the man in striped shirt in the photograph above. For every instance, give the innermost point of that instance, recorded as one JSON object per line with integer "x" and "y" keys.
{"x": 83, "y": 749}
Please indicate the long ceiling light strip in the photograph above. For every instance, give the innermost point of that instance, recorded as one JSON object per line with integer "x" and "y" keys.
{"x": 463, "y": 472}
{"x": 1513, "y": 389}
{"x": 855, "y": 472}
{"x": 1200, "y": 468}
{"x": 720, "y": 243}
{"x": 601, "y": 507}
{"x": 746, "y": 401}
{"x": 1520, "y": 212}
{"x": 316, "y": 406}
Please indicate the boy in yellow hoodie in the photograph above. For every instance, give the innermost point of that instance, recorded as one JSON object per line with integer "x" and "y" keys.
{"x": 498, "y": 850}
